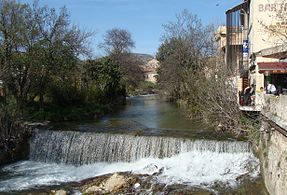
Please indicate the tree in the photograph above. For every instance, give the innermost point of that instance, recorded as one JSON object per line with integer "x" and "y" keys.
{"x": 16, "y": 70}
{"x": 118, "y": 44}
{"x": 130, "y": 69}
{"x": 59, "y": 48}
{"x": 188, "y": 73}
{"x": 102, "y": 78}
{"x": 174, "y": 60}
{"x": 117, "y": 41}
{"x": 37, "y": 44}
{"x": 186, "y": 47}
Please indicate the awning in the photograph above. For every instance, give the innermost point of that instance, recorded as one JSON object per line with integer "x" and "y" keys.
{"x": 273, "y": 67}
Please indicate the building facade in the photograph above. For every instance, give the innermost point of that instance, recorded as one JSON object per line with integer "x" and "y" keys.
{"x": 256, "y": 54}
{"x": 256, "y": 47}
{"x": 150, "y": 70}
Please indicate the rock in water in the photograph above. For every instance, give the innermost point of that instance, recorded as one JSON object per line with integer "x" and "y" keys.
{"x": 114, "y": 183}
{"x": 94, "y": 189}
{"x": 137, "y": 185}
{"x": 60, "y": 192}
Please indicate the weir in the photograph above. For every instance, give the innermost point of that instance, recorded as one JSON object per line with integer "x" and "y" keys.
{"x": 78, "y": 148}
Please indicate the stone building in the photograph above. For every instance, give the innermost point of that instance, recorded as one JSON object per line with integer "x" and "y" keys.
{"x": 150, "y": 70}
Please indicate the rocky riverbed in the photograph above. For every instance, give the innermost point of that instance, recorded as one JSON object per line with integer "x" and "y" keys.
{"x": 128, "y": 183}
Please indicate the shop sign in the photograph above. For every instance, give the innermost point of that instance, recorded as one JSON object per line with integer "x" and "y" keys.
{"x": 245, "y": 48}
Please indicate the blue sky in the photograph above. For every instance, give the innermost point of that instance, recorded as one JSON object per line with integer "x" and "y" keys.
{"x": 143, "y": 18}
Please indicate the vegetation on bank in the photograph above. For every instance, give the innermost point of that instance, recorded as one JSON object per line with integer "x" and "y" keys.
{"x": 47, "y": 71}
{"x": 191, "y": 71}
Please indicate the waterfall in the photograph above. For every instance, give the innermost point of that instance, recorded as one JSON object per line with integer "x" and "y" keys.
{"x": 78, "y": 148}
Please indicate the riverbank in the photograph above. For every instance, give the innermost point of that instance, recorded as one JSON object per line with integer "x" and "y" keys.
{"x": 86, "y": 111}
{"x": 14, "y": 143}
{"x": 153, "y": 144}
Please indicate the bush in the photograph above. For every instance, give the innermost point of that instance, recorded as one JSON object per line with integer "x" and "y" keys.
{"x": 65, "y": 94}
{"x": 9, "y": 117}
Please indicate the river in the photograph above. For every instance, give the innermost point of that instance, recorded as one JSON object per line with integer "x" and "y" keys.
{"x": 143, "y": 137}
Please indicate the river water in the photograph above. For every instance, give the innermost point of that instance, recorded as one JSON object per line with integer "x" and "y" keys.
{"x": 145, "y": 136}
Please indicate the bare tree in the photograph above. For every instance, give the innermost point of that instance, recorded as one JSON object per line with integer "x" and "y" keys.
{"x": 117, "y": 41}
{"x": 187, "y": 43}
{"x": 188, "y": 73}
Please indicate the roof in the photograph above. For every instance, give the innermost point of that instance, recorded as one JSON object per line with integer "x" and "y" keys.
{"x": 278, "y": 52}
{"x": 236, "y": 8}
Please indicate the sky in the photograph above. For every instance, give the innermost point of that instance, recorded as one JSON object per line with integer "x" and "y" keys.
{"x": 142, "y": 18}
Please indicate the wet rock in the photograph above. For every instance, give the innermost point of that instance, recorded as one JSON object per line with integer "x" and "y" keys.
{"x": 137, "y": 185}
{"x": 59, "y": 192}
{"x": 242, "y": 177}
{"x": 129, "y": 183}
{"x": 185, "y": 190}
{"x": 159, "y": 172}
{"x": 36, "y": 124}
{"x": 94, "y": 190}
{"x": 114, "y": 183}
{"x": 111, "y": 184}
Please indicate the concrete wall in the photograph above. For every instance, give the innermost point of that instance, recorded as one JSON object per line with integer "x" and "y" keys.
{"x": 273, "y": 156}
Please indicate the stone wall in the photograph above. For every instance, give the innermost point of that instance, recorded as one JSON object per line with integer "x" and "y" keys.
{"x": 274, "y": 108}
{"x": 273, "y": 156}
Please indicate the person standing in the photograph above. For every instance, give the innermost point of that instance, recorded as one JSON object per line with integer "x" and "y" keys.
{"x": 248, "y": 92}
{"x": 271, "y": 89}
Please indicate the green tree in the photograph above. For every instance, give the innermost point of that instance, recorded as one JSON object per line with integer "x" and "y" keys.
{"x": 16, "y": 71}
{"x": 102, "y": 79}
{"x": 60, "y": 46}
{"x": 37, "y": 45}
{"x": 118, "y": 44}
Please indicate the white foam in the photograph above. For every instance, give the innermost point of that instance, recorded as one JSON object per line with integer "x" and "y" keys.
{"x": 194, "y": 168}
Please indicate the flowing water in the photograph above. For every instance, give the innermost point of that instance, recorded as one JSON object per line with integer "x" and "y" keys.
{"x": 100, "y": 147}
{"x": 78, "y": 148}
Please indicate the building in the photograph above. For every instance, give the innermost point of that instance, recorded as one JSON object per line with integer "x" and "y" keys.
{"x": 256, "y": 53}
{"x": 150, "y": 70}
{"x": 256, "y": 47}
{"x": 267, "y": 36}
{"x": 220, "y": 38}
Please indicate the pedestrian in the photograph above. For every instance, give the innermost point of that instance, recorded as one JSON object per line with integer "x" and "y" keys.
{"x": 247, "y": 93}
{"x": 270, "y": 89}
